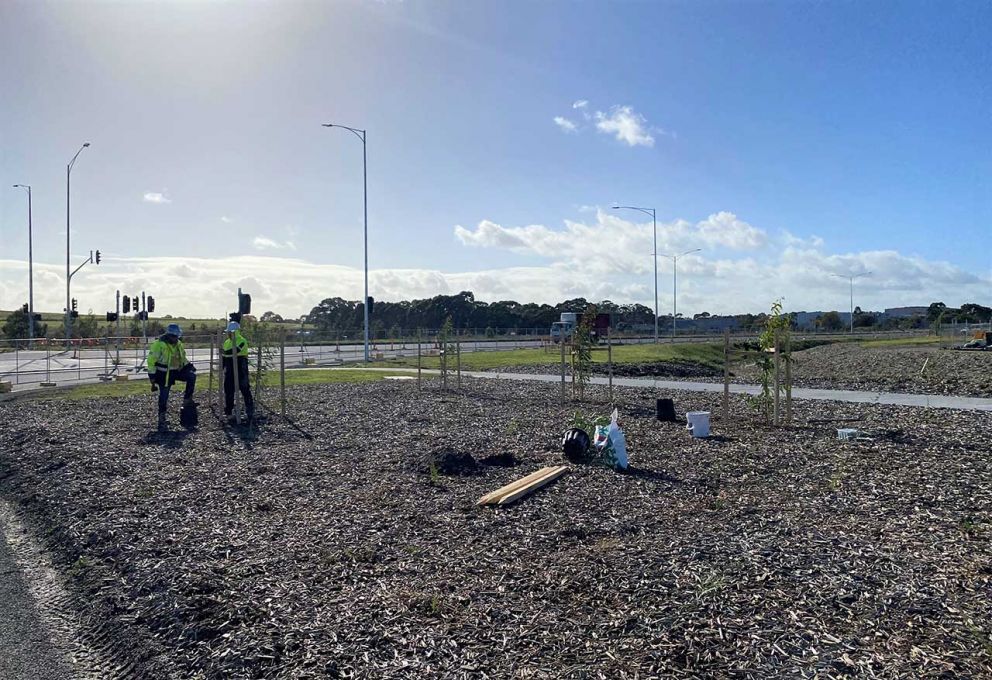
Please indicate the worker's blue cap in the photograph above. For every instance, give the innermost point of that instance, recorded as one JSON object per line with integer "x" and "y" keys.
{"x": 174, "y": 329}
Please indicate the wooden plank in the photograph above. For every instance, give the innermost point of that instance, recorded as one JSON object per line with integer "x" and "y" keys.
{"x": 494, "y": 496}
{"x": 533, "y": 486}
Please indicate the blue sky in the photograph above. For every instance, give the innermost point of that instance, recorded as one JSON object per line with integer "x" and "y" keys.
{"x": 790, "y": 141}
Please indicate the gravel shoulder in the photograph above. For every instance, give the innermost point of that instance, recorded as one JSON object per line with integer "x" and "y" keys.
{"x": 327, "y": 548}
{"x": 26, "y": 649}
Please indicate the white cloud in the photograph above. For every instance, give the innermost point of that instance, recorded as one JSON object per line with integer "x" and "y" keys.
{"x": 266, "y": 243}
{"x": 626, "y": 124}
{"x": 580, "y": 104}
{"x": 565, "y": 124}
{"x": 155, "y": 197}
{"x": 741, "y": 268}
{"x": 226, "y": 220}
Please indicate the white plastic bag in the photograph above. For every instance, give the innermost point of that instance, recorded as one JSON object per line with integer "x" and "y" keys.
{"x": 609, "y": 440}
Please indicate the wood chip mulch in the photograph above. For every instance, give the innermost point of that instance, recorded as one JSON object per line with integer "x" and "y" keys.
{"x": 348, "y": 543}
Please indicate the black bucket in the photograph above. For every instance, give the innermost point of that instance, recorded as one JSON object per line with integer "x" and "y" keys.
{"x": 666, "y": 410}
{"x": 575, "y": 444}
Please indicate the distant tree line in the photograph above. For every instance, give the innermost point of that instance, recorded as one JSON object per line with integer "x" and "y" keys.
{"x": 465, "y": 312}
{"x": 498, "y": 318}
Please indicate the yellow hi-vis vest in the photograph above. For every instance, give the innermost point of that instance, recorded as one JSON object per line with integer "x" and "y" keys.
{"x": 242, "y": 345}
{"x": 163, "y": 357}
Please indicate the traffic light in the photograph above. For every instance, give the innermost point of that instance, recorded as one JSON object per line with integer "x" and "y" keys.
{"x": 25, "y": 308}
{"x": 73, "y": 304}
{"x": 74, "y": 314}
{"x": 111, "y": 316}
{"x": 150, "y": 302}
{"x": 134, "y": 304}
{"x": 126, "y": 305}
{"x": 371, "y": 303}
{"x": 244, "y": 303}
{"x": 98, "y": 257}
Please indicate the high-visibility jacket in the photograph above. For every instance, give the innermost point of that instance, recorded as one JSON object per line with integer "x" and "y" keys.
{"x": 242, "y": 345}
{"x": 164, "y": 357}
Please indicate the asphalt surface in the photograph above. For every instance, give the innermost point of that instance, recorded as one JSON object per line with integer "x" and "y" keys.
{"x": 26, "y": 649}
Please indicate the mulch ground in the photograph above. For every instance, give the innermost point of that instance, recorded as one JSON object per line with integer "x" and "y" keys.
{"x": 348, "y": 543}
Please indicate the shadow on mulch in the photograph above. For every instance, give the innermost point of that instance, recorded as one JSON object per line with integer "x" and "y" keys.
{"x": 653, "y": 475}
{"x": 173, "y": 439}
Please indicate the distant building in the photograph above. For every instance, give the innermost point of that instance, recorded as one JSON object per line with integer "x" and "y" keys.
{"x": 905, "y": 312}
{"x": 714, "y": 324}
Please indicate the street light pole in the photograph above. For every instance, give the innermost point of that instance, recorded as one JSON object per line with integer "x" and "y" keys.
{"x": 675, "y": 283}
{"x": 68, "y": 275}
{"x": 30, "y": 269}
{"x": 654, "y": 258}
{"x": 365, "y": 201}
{"x": 850, "y": 279}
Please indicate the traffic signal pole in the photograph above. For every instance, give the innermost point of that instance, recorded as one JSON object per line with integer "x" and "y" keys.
{"x": 144, "y": 325}
{"x": 117, "y": 363}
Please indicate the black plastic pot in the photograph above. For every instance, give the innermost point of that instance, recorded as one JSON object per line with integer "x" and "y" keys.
{"x": 575, "y": 444}
{"x": 666, "y": 410}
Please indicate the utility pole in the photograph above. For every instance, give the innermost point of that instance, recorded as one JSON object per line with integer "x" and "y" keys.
{"x": 654, "y": 258}
{"x": 30, "y": 270}
{"x": 361, "y": 134}
{"x": 68, "y": 275}
{"x": 850, "y": 279}
{"x": 675, "y": 283}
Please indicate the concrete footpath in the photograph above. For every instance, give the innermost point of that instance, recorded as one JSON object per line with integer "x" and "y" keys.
{"x": 853, "y": 396}
{"x": 894, "y": 398}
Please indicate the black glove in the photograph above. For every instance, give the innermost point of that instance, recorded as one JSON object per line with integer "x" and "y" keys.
{"x": 153, "y": 381}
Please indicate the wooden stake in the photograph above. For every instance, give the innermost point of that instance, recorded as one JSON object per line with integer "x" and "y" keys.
{"x": 234, "y": 374}
{"x": 282, "y": 373}
{"x": 533, "y": 486}
{"x": 778, "y": 381}
{"x": 210, "y": 380}
{"x": 788, "y": 379}
{"x": 495, "y": 496}
{"x": 609, "y": 360}
{"x": 220, "y": 368}
{"x": 726, "y": 374}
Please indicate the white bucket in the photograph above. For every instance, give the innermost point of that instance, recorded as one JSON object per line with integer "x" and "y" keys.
{"x": 698, "y": 423}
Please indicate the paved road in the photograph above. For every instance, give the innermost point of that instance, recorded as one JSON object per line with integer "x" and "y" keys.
{"x": 86, "y": 364}
{"x": 26, "y": 650}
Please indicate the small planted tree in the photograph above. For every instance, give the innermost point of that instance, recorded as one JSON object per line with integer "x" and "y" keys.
{"x": 776, "y": 328}
{"x": 448, "y": 349}
{"x": 582, "y": 343}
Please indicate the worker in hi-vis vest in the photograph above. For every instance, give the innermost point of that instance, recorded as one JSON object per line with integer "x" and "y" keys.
{"x": 167, "y": 363}
{"x": 235, "y": 338}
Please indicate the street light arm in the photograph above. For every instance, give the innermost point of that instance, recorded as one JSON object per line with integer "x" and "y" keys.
{"x": 646, "y": 211}
{"x": 355, "y": 131}
{"x": 69, "y": 167}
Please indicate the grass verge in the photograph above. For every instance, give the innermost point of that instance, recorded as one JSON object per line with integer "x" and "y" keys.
{"x": 906, "y": 342}
{"x": 706, "y": 354}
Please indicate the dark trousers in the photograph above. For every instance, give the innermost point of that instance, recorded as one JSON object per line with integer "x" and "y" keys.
{"x": 186, "y": 374}
{"x": 243, "y": 383}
